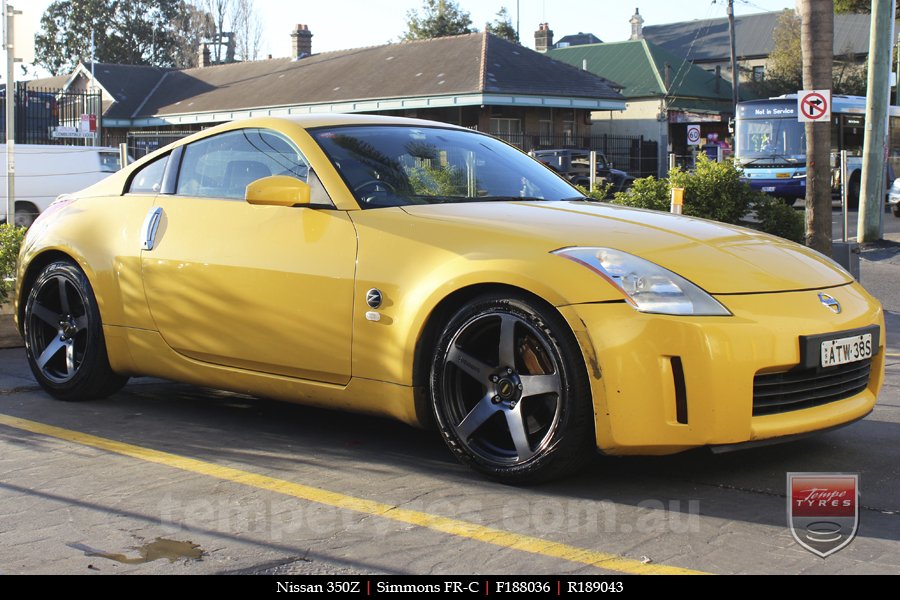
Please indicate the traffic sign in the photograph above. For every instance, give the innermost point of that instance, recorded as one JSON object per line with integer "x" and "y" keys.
{"x": 693, "y": 135}
{"x": 814, "y": 106}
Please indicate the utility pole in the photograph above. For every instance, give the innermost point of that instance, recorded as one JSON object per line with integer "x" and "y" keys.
{"x": 871, "y": 203}
{"x": 518, "y": 34}
{"x": 10, "y": 47}
{"x": 735, "y": 76}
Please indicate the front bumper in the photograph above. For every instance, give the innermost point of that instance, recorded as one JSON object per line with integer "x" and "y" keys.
{"x": 794, "y": 187}
{"x": 630, "y": 359}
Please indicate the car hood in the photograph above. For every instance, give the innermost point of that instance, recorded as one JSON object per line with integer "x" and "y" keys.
{"x": 720, "y": 258}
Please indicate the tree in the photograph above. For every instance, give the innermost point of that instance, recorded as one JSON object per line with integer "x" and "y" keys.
{"x": 247, "y": 28}
{"x": 142, "y": 32}
{"x": 817, "y": 41}
{"x": 65, "y": 36}
{"x": 440, "y": 19}
{"x": 241, "y": 20}
{"x": 197, "y": 25}
{"x": 857, "y": 6}
{"x": 503, "y": 27}
{"x": 784, "y": 69}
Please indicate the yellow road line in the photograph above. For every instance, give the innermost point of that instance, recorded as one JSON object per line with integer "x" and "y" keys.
{"x": 455, "y": 527}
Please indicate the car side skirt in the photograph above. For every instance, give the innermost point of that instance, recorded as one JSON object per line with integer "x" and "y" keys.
{"x": 144, "y": 352}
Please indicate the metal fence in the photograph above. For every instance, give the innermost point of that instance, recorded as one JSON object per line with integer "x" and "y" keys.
{"x": 631, "y": 153}
{"x": 142, "y": 143}
{"x": 40, "y": 112}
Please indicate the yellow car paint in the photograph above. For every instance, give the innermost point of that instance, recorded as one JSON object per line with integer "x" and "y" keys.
{"x": 301, "y": 274}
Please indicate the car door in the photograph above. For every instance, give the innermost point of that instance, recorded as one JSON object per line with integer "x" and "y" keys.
{"x": 261, "y": 288}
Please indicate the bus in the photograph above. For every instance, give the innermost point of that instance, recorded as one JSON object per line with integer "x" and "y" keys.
{"x": 770, "y": 145}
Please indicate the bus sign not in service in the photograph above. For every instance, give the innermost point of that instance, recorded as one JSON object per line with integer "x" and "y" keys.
{"x": 814, "y": 106}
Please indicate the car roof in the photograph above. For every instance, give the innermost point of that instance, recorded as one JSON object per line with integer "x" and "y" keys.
{"x": 335, "y": 119}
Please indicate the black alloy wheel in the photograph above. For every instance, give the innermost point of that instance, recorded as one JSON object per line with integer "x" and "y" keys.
{"x": 64, "y": 338}
{"x": 510, "y": 392}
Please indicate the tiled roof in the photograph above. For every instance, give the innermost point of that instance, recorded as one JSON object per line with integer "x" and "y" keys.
{"x": 466, "y": 64}
{"x": 707, "y": 39}
{"x": 640, "y": 67}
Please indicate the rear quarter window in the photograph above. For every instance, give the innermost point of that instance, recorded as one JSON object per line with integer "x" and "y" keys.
{"x": 148, "y": 179}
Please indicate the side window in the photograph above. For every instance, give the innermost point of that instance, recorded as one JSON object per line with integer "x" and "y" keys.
{"x": 148, "y": 180}
{"x": 222, "y": 166}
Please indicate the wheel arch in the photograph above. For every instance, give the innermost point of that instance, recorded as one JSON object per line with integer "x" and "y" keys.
{"x": 438, "y": 317}
{"x": 35, "y": 265}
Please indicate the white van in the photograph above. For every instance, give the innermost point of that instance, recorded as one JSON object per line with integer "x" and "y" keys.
{"x": 43, "y": 172}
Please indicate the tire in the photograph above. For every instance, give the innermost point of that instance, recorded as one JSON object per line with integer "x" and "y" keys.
{"x": 895, "y": 208}
{"x": 853, "y": 192}
{"x": 64, "y": 338}
{"x": 510, "y": 392}
{"x": 25, "y": 215}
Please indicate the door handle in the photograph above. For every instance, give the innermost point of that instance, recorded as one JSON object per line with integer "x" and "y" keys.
{"x": 150, "y": 226}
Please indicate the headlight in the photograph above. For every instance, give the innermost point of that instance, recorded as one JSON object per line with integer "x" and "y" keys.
{"x": 647, "y": 286}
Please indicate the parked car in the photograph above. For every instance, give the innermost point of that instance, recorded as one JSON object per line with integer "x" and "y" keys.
{"x": 575, "y": 165}
{"x": 439, "y": 276}
{"x": 43, "y": 172}
{"x": 894, "y": 198}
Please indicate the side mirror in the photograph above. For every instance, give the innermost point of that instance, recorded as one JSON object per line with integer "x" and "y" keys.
{"x": 278, "y": 190}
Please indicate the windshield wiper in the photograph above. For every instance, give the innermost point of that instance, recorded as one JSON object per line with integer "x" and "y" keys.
{"x": 784, "y": 157}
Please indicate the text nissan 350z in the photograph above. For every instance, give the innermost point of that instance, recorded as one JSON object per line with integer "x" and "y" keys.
{"x": 437, "y": 275}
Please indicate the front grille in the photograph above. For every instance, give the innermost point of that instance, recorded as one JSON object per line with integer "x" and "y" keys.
{"x": 805, "y": 388}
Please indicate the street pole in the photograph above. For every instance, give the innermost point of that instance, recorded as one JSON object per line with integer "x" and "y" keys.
{"x": 735, "y": 76}
{"x": 897, "y": 76}
{"x": 871, "y": 209}
{"x": 9, "y": 46}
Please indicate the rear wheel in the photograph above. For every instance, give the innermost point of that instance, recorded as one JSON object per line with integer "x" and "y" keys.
{"x": 64, "y": 338}
{"x": 510, "y": 393}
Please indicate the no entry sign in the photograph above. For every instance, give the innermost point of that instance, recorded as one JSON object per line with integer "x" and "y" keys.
{"x": 814, "y": 106}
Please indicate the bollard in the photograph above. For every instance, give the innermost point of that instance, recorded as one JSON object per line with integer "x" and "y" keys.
{"x": 677, "y": 200}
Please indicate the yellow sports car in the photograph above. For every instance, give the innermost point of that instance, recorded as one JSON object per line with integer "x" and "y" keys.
{"x": 441, "y": 277}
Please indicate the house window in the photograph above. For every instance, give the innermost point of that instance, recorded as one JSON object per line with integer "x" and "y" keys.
{"x": 569, "y": 132}
{"x": 759, "y": 73}
{"x": 546, "y": 132}
{"x": 506, "y": 126}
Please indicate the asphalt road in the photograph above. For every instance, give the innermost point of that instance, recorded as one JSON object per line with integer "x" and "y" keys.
{"x": 253, "y": 486}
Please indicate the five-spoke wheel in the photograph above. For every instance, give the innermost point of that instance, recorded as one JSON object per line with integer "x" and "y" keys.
{"x": 63, "y": 336}
{"x": 507, "y": 393}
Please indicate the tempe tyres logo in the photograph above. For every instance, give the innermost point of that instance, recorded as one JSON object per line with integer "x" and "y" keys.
{"x": 823, "y": 510}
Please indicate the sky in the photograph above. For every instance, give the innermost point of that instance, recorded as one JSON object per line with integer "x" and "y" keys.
{"x": 341, "y": 24}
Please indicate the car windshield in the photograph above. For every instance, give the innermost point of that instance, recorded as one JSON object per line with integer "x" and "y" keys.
{"x": 402, "y": 165}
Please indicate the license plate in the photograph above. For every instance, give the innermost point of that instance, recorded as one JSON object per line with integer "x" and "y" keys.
{"x": 846, "y": 350}
{"x": 768, "y": 188}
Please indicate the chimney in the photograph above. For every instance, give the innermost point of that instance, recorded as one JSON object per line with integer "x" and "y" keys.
{"x": 637, "y": 26}
{"x": 543, "y": 38}
{"x": 301, "y": 42}
{"x": 204, "y": 60}
{"x": 668, "y": 76}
